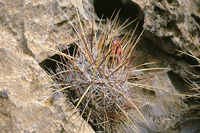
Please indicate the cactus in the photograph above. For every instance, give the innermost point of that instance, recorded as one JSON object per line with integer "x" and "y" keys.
{"x": 99, "y": 78}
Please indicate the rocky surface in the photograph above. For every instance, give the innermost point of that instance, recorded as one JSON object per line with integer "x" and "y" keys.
{"x": 30, "y": 28}
{"x": 27, "y": 103}
{"x": 174, "y": 25}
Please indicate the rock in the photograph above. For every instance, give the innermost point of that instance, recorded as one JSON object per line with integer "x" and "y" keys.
{"x": 30, "y": 28}
{"x": 175, "y": 21}
{"x": 27, "y": 103}
{"x": 174, "y": 25}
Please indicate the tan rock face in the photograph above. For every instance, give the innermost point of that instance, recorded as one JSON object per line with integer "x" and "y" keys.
{"x": 30, "y": 28}
{"x": 26, "y": 100}
{"x": 27, "y": 103}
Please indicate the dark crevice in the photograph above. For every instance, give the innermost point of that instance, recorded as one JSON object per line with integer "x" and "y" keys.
{"x": 163, "y": 13}
{"x": 173, "y": 26}
{"x": 196, "y": 18}
{"x": 61, "y": 23}
{"x": 128, "y": 10}
{"x": 191, "y": 61}
{"x": 159, "y": 10}
{"x": 166, "y": 45}
{"x": 150, "y": 48}
{"x": 178, "y": 82}
{"x": 49, "y": 65}
{"x": 169, "y": 1}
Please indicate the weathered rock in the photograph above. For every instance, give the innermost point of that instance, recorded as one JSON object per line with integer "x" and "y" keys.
{"x": 27, "y": 103}
{"x": 174, "y": 25}
{"x": 176, "y": 22}
{"x": 31, "y": 28}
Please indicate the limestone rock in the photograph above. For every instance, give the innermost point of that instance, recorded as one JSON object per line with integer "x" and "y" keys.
{"x": 174, "y": 25}
{"x": 175, "y": 21}
{"x": 27, "y": 103}
{"x": 30, "y": 28}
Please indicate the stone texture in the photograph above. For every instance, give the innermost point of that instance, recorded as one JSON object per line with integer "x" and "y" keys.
{"x": 176, "y": 20}
{"x": 40, "y": 25}
{"x": 27, "y": 103}
{"x": 30, "y": 28}
{"x": 174, "y": 25}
